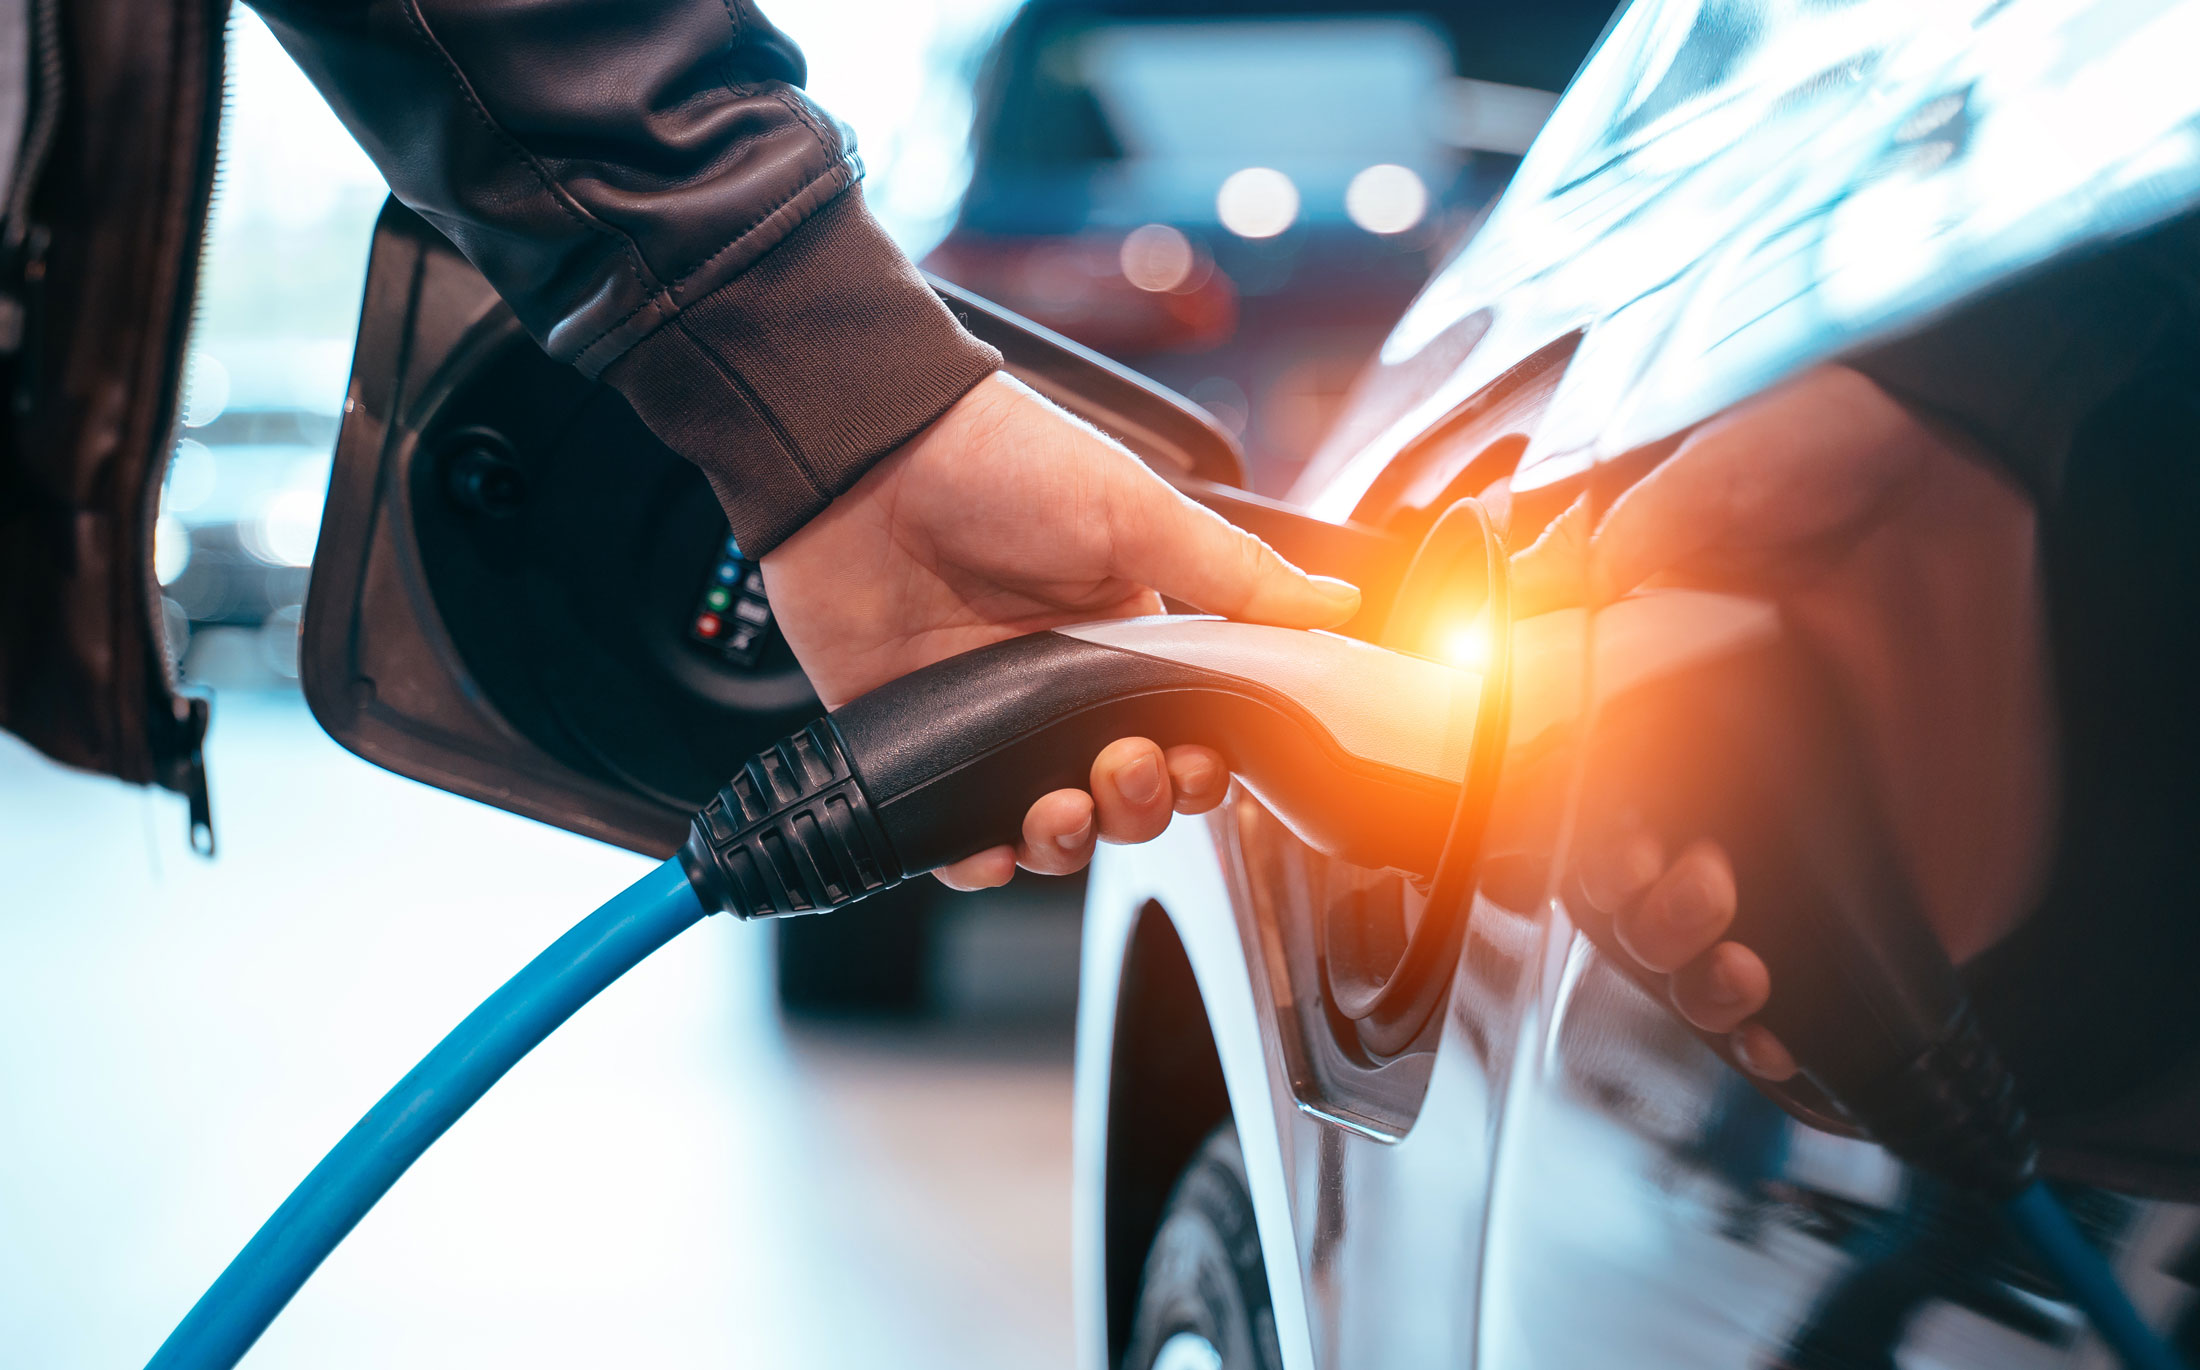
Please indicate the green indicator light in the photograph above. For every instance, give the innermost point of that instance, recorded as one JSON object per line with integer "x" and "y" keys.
{"x": 718, "y": 597}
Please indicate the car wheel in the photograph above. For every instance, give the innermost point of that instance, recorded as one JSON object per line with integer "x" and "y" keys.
{"x": 1203, "y": 1301}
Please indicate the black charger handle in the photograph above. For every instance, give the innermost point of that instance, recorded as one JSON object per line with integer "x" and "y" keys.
{"x": 1757, "y": 752}
{"x": 1360, "y": 750}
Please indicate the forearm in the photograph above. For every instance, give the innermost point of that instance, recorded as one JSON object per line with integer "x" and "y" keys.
{"x": 648, "y": 187}
{"x": 2023, "y": 371}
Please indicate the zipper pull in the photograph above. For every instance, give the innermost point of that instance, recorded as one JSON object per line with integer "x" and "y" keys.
{"x": 186, "y": 772}
{"x": 202, "y": 807}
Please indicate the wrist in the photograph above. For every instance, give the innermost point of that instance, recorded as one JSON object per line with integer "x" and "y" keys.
{"x": 976, "y": 416}
{"x": 789, "y": 382}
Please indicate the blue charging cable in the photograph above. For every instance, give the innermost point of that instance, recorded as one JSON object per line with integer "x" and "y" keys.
{"x": 2086, "y": 1278}
{"x": 360, "y": 1169}
{"x": 380, "y": 1147}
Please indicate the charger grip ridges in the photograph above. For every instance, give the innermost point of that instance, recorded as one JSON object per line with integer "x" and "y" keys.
{"x": 792, "y": 832}
{"x": 1953, "y": 1110}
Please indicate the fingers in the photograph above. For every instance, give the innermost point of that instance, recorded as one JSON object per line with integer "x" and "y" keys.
{"x": 1136, "y": 787}
{"x": 1551, "y": 572}
{"x": 1723, "y": 988}
{"x": 1131, "y": 791}
{"x": 1761, "y": 1053}
{"x": 988, "y": 868}
{"x": 1764, "y": 482}
{"x": 1163, "y": 540}
{"x": 1198, "y": 777}
{"x": 1755, "y": 489}
{"x": 1672, "y": 918}
{"x": 1665, "y": 915}
{"x": 1058, "y": 834}
{"x": 1684, "y": 913}
{"x": 1621, "y": 865}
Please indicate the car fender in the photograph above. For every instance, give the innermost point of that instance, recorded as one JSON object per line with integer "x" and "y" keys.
{"x": 1180, "y": 876}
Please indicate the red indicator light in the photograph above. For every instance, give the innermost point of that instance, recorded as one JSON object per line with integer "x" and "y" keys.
{"x": 706, "y": 625}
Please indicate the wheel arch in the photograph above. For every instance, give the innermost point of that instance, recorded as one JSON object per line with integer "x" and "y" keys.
{"x": 1165, "y": 1095}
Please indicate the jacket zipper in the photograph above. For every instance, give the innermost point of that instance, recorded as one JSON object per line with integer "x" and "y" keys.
{"x": 179, "y": 744}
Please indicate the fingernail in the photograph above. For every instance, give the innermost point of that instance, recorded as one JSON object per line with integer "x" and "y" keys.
{"x": 1198, "y": 777}
{"x": 1762, "y": 1054}
{"x": 1614, "y": 873}
{"x": 1691, "y": 911}
{"x": 1336, "y": 591}
{"x": 1712, "y": 893}
{"x": 1637, "y": 864}
{"x": 1723, "y": 990}
{"x": 1140, "y": 781}
{"x": 1072, "y": 841}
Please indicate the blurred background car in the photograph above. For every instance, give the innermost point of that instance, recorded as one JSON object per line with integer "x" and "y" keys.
{"x": 264, "y": 382}
{"x": 239, "y": 512}
{"x": 1237, "y": 197}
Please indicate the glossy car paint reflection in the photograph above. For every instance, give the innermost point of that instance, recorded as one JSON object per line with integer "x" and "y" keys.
{"x": 1729, "y": 194}
{"x": 1713, "y": 1226}
{"x": 1730, "y": 191}
{"x": 1715, "y": 1231}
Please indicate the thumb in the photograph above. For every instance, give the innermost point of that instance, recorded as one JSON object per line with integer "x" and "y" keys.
{"x": 1188, "y": 553}
{"x": 1551, "y": 573}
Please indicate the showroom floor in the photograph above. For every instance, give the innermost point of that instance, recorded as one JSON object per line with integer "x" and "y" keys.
{"x": 677, "y": 1179}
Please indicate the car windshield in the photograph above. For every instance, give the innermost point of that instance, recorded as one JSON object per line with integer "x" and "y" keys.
{"x": 1148, "y": 115}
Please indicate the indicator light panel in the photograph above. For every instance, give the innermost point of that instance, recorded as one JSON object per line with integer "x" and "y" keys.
{"x": 732, "y": 620}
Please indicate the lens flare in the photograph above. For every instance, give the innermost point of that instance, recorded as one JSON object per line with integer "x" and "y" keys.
{"x": 1467, "y": 646}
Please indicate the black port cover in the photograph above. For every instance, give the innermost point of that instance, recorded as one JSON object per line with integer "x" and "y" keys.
{"x": 521, "y": 596}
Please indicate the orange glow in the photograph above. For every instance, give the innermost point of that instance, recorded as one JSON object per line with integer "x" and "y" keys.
{"x": 1467, "y": 646}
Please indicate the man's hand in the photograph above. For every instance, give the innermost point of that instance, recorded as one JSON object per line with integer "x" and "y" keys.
{"x": 1909, "y": 566}
{"x": 1005, "y": 517}
{"x": 1756, "y": 500}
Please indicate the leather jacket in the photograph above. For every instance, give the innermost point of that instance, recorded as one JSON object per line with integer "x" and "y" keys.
{"x": 648, "y": 187}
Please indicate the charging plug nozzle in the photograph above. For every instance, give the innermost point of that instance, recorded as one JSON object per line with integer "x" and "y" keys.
{"x": 1360, "y": 749}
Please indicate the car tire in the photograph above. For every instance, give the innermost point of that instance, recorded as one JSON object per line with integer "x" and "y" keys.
{"x": 1203, "y": 1300}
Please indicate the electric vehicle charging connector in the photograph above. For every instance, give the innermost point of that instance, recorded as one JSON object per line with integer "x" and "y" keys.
{"x": 1361, "y": 750}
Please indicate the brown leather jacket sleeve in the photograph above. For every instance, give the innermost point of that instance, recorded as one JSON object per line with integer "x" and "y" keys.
{"x": 646, "y": 184}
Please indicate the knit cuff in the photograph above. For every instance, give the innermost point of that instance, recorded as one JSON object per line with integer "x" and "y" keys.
{"x": 797, "y": 376}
